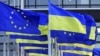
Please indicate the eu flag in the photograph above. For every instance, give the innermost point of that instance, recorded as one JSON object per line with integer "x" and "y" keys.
{"x": 15, "y": 20}
{"x": 43, "y": 20}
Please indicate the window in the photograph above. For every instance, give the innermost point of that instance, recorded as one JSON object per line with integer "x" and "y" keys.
{"x": 56, "y": 2}
{"x": 69, "y": 2}
{"x": 29, "y": 3}
{"x": 82, "y": 2}
{"x": 43, "y": 3}
{"x": 95, "y": 1}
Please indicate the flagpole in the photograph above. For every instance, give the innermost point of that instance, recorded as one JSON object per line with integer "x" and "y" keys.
{"x": 49, "y": 38}
{"x": 18, "y": 4}
{"x": 22, "y": 4}
{"x": 49, "y": 42}
{"x": 53, "y": 47}
{"x": 60, "y": 52}
{"x": 14, "y": 48}
{"x": 4, "y": 46}
{"x": 18, "y": 50}
{"x": 22, "y": 51}
{"x": 8, "y": 50}
{"x": 14, "y": 3}
{"x": 56, "y": 46}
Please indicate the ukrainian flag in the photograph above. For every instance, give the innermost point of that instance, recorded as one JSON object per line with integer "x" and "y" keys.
{"x": 80, "y": 47}
{"x": 74, "y": 32}
{"x": 61, "y": 20}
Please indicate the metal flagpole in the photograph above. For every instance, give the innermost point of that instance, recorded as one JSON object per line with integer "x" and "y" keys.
{"x": 49, "y": 44}
{"x": 8, "y": 46}
{"x": 22, "y": 7}
{"x": 56, "y": 47}
{"x": 18, "y": 4}
{"x": 14, "y": 48}
{"x": 22, "y": 51}
{"x": 52, "y": 49}
{"x": 22, "y": 4}
{"x": 13, "y": 42}
{"x": 4, "y": 46}
{"x": 60, "y": 52}
{"x": 59, "y": 3}
{"x": 49, "y": 40}
{"x": 18, "y": 50}
{"x": 14, "y": 3}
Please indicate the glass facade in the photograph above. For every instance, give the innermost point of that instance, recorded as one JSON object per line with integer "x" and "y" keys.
{"x": 62, "y": 3}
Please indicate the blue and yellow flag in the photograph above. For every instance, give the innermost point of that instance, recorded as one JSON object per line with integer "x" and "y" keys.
{"x": 43, "y": 24}
{"x": 74, "y": 32}
{"x": 84, "y": 46}
{"x": 61, "y": 20}
{"x": 96, "y": 51}
{"x": 90, "y": 27}
{"x": 37, "y": 52}
{"x": 16, "y": 20}
{"x": 65, "y": 25}
{"x": 33, "y": 45}
{"x": 29, "y": 41}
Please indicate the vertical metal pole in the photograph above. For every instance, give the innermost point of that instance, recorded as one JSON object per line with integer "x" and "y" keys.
{"x": 8, "y": 46}
{"x": 49, "y": 43}
{"x": 14, "y": 3}
{"x": 49, "y": 38}
{"x": 59, "y": 3}
{"x": 18, "y": 3}
{"x": 22, "y": 51}
{"x": 52, "y": 47}
{"x": 61, "y": 53}
{"x": 14, "y": 48}
{"x": 4, "y": 46}
{"x": 22, "y": 4}
{"x": 56, "y": 47}
{"x": 18, "y": 50}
